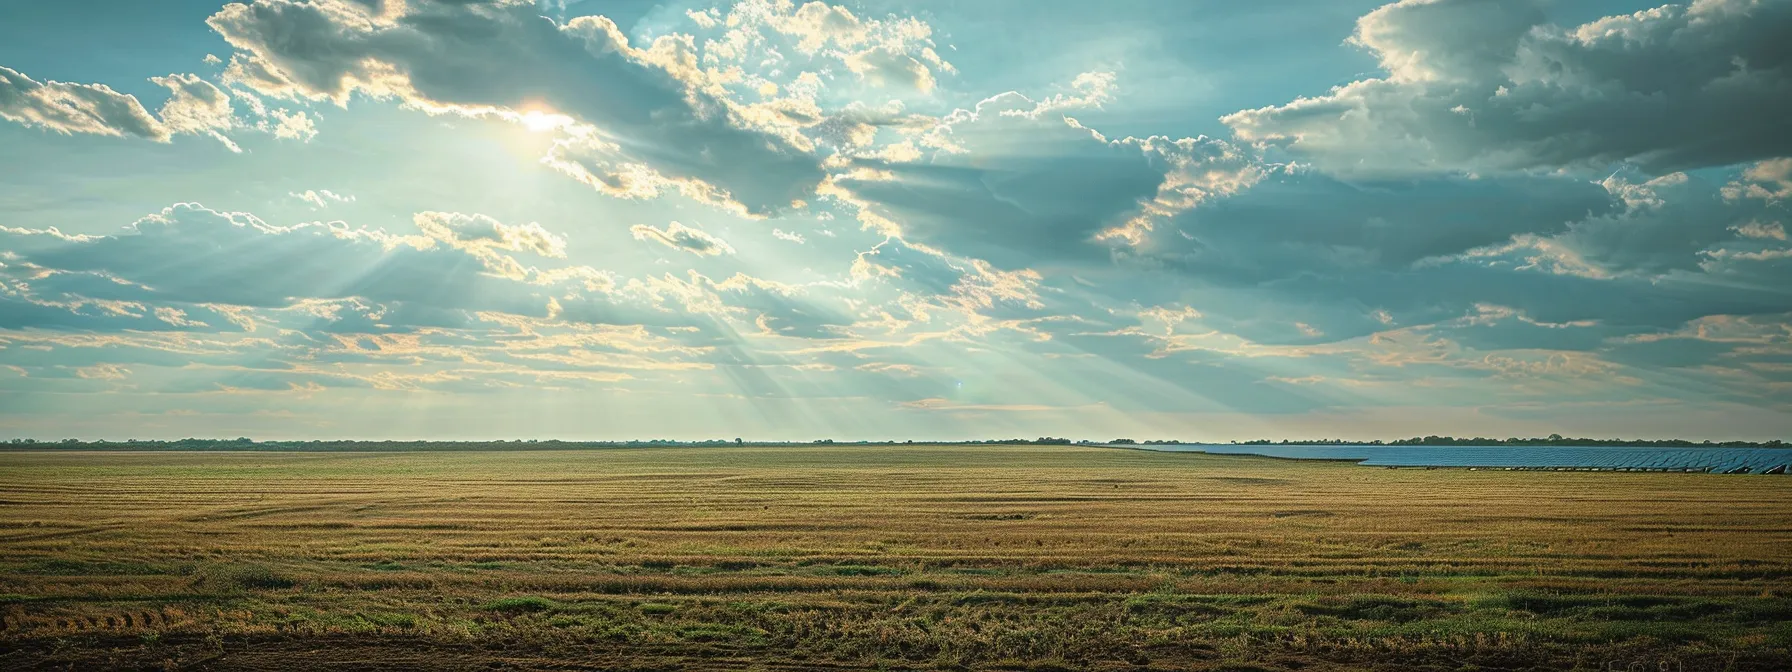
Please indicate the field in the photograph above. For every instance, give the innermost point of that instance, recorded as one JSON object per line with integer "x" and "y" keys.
{"x": 907, "y": 557}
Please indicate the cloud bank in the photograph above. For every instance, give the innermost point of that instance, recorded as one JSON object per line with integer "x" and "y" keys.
{"x": 1477, "y": 84}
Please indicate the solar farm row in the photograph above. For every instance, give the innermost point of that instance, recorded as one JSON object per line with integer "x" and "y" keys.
{"x": 1711, "y": 460}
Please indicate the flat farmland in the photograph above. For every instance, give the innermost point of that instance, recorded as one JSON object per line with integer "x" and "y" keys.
{"x": 881, "y": 557}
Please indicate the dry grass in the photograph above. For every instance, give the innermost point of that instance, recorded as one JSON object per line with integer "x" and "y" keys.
{"x": 895, "y": 557}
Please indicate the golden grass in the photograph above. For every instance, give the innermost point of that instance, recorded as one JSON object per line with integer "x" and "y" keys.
{"x": 911, "y": 556}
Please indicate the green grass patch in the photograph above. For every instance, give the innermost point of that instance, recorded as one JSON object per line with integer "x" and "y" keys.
{"x": 243, "y": 576}
{"x": 520, "y": 605}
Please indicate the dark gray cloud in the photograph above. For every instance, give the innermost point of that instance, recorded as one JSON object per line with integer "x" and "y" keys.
{"x": 1450, "y": 291}
{"x": 1665, "y": 225}
{"x": 1302, "y": 222}
{"x": 647, "y": 108}
{"x": 1026, "y": 187}
{"x": 1477, "y": 84}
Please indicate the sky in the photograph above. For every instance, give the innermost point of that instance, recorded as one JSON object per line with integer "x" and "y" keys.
{"x": 1204, "y": 220}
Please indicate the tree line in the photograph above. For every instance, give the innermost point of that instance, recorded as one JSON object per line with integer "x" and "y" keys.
{"x": 245, "y": 443}
{"x": 1551, "y": 440}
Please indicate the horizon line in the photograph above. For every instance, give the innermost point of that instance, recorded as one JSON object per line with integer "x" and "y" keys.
{"x": 1427, "y": 440}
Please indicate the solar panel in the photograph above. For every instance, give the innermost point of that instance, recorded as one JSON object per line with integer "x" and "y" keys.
{"x": 1716, "y": 460}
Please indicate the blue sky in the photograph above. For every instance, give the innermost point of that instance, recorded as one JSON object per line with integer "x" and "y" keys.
{"x": 877, "y": 219}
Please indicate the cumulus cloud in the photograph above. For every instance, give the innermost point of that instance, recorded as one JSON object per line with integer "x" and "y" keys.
{"x": 197, "y": 106}
{"x": 481, "y": 233}
{"x": 1769, "y": 181}
{"x": 289, "y": 125}
{"x": 194, "y": 106}
{"x": 647, "y": 111}
{"x": 882, "y": 67}
{"x": 319, "y": 199}
{"x": 895, "y": 51}
{"x": 857, "y": 126}
{"x": 1091, "y": 90}
{"x": 1757, "y": 229}
{"x": 1483, "y": 84}
{"x": 680, "y": 237}
{"x": 75, "y": 108}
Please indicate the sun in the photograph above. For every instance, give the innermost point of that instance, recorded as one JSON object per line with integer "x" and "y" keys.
{"x": 538, "y": 121}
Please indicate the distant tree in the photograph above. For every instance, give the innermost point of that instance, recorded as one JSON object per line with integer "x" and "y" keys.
{"x": 1124, "y": 441}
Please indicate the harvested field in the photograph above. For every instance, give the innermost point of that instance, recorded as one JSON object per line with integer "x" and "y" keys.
{"x": 908, "y": 557}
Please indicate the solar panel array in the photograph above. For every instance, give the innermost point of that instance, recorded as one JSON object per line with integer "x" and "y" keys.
{"x": 1713, "y": 460}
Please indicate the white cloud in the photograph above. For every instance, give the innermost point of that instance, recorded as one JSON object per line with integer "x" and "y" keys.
{"x": 320, "y": 198}
{"x": 197, "y": 106}
{"x": 103, "y": 372}
{"x": 194, "y": 106}
{"x": 680, "y": 237}
{"x": 894, "y": 51}
{"x": 1092, "y": 90}
{"x": 290, "y": 125}
{"x": 1769, "y": 181}
{"x": 705, "y": 19}
{"x": 75, "y": 108}
{"x": 791, "y": 236}
{"x": 479, "y": 233}
{"x": 1763, "y": 230}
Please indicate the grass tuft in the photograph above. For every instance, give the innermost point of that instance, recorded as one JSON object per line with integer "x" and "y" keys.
{"x": 520, "y": 605}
